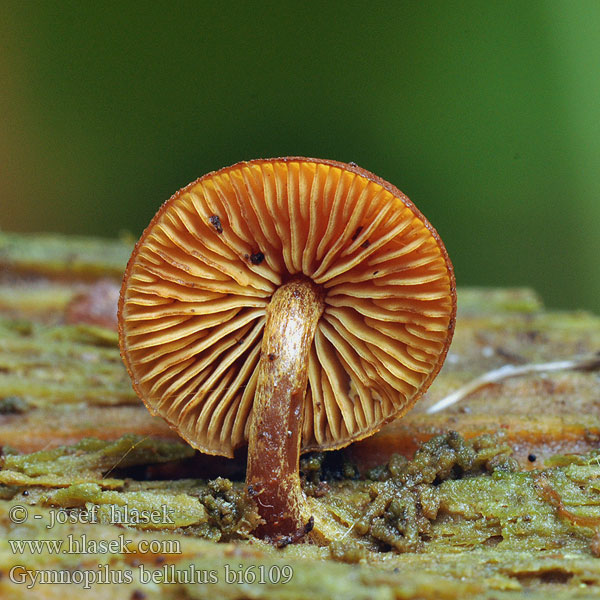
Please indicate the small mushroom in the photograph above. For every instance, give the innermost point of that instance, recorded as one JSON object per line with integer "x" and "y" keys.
{"x": 290, "y": 304}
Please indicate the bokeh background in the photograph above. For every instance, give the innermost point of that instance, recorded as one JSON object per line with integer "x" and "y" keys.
{"x": 486, "y": 114}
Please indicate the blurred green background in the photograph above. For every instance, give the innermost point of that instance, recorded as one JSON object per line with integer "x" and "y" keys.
{"x": 486, "y": 114}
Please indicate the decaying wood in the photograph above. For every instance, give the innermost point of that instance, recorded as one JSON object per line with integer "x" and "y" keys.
{"x": 48, "y": 364}
{"x": 61, "y": 380}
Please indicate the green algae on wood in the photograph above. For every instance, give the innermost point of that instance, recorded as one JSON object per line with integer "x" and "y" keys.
{"x": 495, "y": 534}
{"x": 88, "y": 460}
{"x": 51, "y": 365}
{"x": 517, "y": 541}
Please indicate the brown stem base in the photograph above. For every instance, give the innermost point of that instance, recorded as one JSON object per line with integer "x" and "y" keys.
{"x": 272, "y": 476}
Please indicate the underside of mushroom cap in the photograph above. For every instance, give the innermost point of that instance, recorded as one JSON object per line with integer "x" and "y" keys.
{"x": 197, "y": 286}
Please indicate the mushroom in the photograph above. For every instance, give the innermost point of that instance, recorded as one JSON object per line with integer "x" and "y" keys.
{"x": 293, "y": 304}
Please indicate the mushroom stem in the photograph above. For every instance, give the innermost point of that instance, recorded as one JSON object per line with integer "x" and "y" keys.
{"x": 272, "y": 476}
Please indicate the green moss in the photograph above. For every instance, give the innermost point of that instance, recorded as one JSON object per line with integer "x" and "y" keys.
{"x": 406, "y": 497}
{"x": 231, "y": 513}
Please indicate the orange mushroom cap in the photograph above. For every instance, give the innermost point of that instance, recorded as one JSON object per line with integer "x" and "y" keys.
{"x": 196, "y": 290}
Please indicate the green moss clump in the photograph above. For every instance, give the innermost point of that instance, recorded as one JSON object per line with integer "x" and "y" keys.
{"x": 405, "y": 498}
{"x": 231, "y": 513}
{"x": 447, "y": 456}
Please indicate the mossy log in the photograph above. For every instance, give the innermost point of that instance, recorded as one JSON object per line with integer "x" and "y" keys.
{"x": 509, "y": 516}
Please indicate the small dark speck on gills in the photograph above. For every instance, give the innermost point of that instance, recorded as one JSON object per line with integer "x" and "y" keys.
{"x": 257, "y": 258}
{"x": 216, "y": 223}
